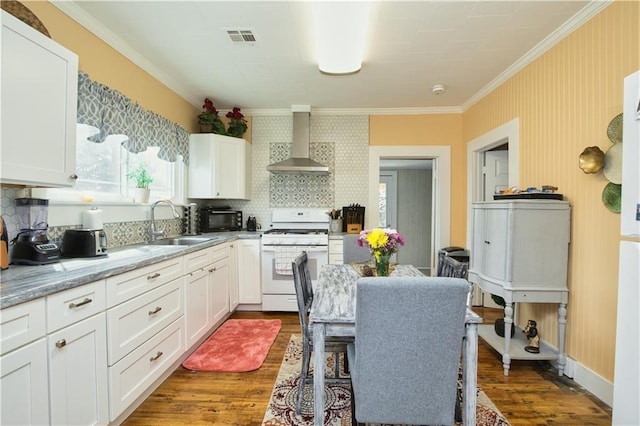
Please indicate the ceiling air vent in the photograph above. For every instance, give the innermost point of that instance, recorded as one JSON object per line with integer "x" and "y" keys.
{"x": 241, "y": 36}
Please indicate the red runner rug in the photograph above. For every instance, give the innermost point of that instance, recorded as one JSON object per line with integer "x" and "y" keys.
{"x": 239, "y": 345}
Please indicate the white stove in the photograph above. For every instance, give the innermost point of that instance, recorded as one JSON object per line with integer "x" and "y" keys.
{"x": 292, "y": 232}
{"x": 297, "y": 227}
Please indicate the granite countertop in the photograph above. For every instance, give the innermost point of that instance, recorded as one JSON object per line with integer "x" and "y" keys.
{"x": 22, "y": 283}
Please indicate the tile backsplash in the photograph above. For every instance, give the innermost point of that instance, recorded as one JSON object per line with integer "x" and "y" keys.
{"x": 341, "y": 142}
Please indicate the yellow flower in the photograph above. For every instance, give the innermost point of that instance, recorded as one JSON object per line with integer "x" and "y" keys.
{"x": 377, "y": 239}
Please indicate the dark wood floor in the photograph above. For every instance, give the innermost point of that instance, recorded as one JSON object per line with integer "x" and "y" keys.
{"x": 532, "y": 394}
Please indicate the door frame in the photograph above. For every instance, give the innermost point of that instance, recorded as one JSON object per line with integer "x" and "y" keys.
{"x": 508, "y": 132}
{"x": 441, "y": 156}
{"x": 393, "y": 191}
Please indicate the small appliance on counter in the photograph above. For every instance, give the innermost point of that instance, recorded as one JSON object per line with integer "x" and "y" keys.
{"x": 84, "y": 243}
{"x": 220, "y": 219}
{"x": 252, "y": 223}
{"x": 32, "y": 246}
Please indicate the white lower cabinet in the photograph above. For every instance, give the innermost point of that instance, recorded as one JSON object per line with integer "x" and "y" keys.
{"x": 219, "y": 289}
{"x": 23, "y": 381}
{"x": 134, "y": 373}
{"x": 248, "y": 267}
{"x": 234, "y": 287}
{"x": 336, "y": 247}
{"x": 78, "y": 373}
{"x": 197, "y": 314}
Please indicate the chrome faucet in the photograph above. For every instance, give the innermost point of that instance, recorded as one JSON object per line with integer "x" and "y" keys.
{"x": 155, "y": 233}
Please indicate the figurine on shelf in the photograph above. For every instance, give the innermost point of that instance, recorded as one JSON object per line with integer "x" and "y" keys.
{"x": 532, "y": 334}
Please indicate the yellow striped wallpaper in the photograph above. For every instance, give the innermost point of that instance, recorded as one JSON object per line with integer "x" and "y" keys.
{"x": 564, "y": 101}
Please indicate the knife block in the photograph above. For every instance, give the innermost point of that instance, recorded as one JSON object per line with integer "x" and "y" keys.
{"x": 352, "y": 219}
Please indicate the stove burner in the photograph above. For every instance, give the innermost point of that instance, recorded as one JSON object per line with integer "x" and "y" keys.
{"x": 297, "y": 231}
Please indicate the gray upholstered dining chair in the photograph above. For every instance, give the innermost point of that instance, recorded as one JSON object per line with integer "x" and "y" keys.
{"x": 337, "y": 345}
{"x": 351, "y": 251}
{"x": 405, "y": 359}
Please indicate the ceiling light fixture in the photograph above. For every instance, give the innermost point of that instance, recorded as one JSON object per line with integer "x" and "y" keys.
{"x": 340, "y": 29}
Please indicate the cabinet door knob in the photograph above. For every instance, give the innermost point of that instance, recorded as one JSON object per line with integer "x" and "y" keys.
{"x": 155, "y": 311}
{"x": 61, "y": 343}
{"x": 157, "y": 355}
{"x": 74, "y": 305}
{"x": 73, "y": 177}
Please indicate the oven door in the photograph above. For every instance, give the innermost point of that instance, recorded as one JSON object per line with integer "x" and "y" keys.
{"x": 278, "y": 290}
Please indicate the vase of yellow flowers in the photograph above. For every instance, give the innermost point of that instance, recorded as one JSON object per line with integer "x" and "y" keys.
{"x": 382, "y": 243}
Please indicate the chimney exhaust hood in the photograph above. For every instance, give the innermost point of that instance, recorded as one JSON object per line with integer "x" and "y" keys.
{"x": 299, "y": 163}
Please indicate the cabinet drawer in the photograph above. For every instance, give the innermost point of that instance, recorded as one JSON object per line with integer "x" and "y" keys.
{"x": 75, "y": 304}
{"x": 131, "y": 284}
{"x": 336, "y": 246}
{"x": 279, "y": 302}
{"x": 21, "y": 324}
{"x": 197, "y": 260}
{"x": 130, "y": 377}
{"x": 132, "y": 323}
{"x": 335, "y": 259}
{"x": 219, "y": 252}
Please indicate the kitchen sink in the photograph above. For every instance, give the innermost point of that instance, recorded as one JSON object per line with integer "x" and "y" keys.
{"x": 181, "y": 241}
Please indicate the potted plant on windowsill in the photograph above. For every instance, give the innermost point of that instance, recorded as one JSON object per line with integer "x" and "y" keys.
{"x": 143, "y": 179}
{"x": 498, "y": 325}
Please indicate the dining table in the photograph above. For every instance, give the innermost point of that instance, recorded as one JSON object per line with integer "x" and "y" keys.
{"x": 333, "y": 313}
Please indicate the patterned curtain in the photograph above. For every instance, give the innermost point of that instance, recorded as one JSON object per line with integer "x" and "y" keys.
{"x": 112, "y": 113}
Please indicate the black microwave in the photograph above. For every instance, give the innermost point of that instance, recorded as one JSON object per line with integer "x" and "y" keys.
{"x": 214, "y": 219}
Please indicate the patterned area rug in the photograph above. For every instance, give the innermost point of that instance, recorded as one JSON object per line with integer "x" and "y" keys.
{"x": 281, "y": 409}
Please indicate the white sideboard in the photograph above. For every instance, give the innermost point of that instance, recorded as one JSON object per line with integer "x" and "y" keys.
{"x": 520, "y": 252}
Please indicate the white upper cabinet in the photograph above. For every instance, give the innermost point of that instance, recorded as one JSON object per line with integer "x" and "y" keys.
{"x": 39, "y": 108}
{"x": 219, "y": 167}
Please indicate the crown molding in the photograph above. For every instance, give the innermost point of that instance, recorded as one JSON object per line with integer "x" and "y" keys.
{"x": 572, "y": 24}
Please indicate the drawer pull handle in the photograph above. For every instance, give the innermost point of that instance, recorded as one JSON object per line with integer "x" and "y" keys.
{"x": 61, "y": 343}
{"x": 213, "y": 269}
{"x": 154, "y": 358}
{"x": 74, "y": 305}
{"x": 156, "y": 275}
{"x": 155, "y": 311}
{"x": 487, "y": 242}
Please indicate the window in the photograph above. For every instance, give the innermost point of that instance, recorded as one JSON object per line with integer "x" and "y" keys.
{"x": 102, "y": 172}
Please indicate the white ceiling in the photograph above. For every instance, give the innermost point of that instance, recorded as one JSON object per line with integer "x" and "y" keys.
{"x": 468, "y": 46}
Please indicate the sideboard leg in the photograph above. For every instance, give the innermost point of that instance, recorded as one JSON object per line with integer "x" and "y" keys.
{"x": 562, "y": 322}
{"x": 508, "y": 321}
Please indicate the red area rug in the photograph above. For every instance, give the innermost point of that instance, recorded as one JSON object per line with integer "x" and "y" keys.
{"x": 239, "y": 345}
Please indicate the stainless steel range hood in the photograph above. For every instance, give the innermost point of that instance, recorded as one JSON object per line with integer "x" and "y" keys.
{"x": 299, "y": 163}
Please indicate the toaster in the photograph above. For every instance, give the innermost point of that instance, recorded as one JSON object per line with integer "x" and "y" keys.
{"x": 84, "y": 243}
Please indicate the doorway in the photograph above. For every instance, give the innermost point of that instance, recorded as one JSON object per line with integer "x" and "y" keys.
{"x": 406, "y": 204}
{"x": 485, "y": 173}
{"x": 439, "y": 223}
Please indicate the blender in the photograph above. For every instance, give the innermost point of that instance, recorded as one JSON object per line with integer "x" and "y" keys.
{"x": 32, "y": 246}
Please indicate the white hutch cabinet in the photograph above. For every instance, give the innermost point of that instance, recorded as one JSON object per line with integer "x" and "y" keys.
{"x": 520, "y": 252}
{"x": 219, "y": 167}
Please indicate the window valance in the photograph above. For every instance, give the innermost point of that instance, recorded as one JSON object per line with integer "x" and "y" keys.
{"x": 112, "y": 113}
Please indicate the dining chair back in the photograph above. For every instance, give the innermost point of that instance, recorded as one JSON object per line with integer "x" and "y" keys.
{"x": 351, "y": 251}
{"x": 304, "y": 297}
{"x": 405, "y": 359}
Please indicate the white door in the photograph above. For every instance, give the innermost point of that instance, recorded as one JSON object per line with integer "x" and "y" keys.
{"x": 495, "y": 172}
{"x": 495, "y": 176}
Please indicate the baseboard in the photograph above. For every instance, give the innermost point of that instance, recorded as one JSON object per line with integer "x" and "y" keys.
{"x": 591, "y": 381}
